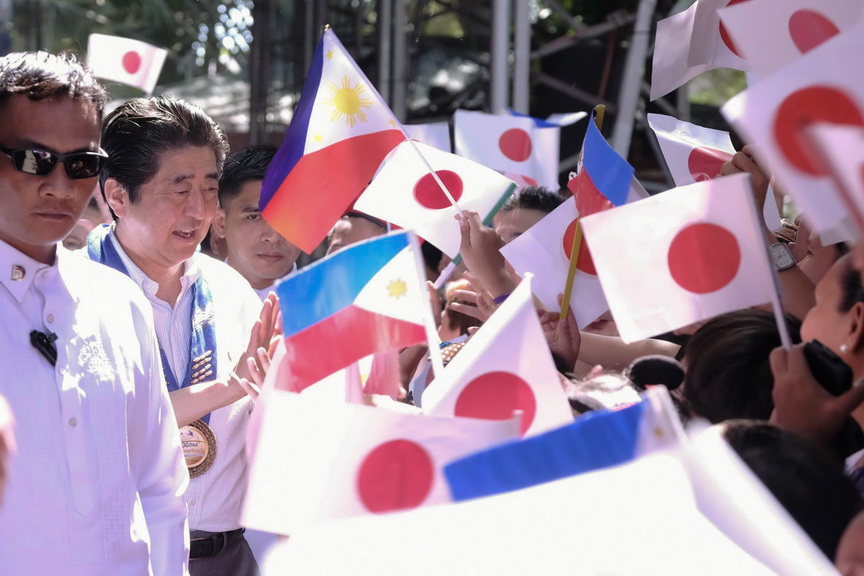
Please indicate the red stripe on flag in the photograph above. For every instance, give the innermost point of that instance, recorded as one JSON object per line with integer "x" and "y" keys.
{"x": 341, "y": 339}
{"x": 322, "y": 185}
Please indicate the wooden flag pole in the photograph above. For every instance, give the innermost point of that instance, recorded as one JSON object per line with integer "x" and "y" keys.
{"x": 599, "y": 113}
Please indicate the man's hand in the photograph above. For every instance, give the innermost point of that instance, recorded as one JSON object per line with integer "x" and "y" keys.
{"x": 480, "y": 249}
{"x": 801, "y": 404}
{"x": 7, "y": 443}
{"x": 252, "y": 367}
{"x": 745, "y": 161}
{"x": 562, "y": 336}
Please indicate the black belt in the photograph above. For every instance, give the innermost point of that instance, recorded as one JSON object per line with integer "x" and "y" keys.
{"x": 213, "y": 543}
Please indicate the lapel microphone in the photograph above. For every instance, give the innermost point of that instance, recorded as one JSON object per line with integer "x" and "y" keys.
{"x": 44, "y": 343}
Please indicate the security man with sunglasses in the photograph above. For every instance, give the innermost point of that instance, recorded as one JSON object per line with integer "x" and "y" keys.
{"x": 96, "y": 484}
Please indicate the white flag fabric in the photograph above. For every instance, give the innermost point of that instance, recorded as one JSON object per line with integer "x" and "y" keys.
{"x": 680, "y": 256}
{"x": 711, "y": 43}
{"x": 544, "y": 251}
{"x": 692, "y": 153}
{"x": 406, "y": 194}
{"x": 818, "y": 87}
{"x": 509, "y": 144}
{"x": 506, "y": 366}
{"x": 435, "y": 134}
{"x": 317, "y": 461}
{"x": 606, "y": 522}
{"x": 841, "y": 149}
{"x": 774, "y": 33}
{"x": 125, "y": 60}
{"x": 688, "y": 44}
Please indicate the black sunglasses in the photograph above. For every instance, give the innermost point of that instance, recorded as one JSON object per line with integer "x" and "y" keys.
{"x": 41, "y": 162}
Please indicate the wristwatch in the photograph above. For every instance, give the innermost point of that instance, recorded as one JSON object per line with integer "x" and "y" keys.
{"x": 782, "y": 255}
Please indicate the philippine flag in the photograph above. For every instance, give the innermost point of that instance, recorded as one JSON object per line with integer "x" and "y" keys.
{"x": 688, "y": 254}
{"x": 339, "y": 135}
{"x": 406, "y": 194}
{"x": 773, "y": 33}
{"x": 511, "y": 144}
{"x": 366, "y": 298}
{"x": 595, "y": 440}
{"x": 604, "y": 180}
{"x": 124, "y": 60}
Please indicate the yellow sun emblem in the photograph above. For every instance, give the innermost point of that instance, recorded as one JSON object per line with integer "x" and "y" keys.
{"x": 397, "y": 288}
{"x": 347, "y": 101}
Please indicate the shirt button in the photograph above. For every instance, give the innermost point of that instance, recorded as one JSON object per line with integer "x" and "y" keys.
{"x": 73, "y": 422}
{"x": 50, "y": 319}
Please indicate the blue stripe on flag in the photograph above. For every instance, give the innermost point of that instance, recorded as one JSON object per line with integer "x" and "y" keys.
{"x": 318, "y": 291}
{"x": 538, "y": 122}
{"x": 609, "y": 172}
{"x": 294, "y": 144}
{"x": 596, "y": 440}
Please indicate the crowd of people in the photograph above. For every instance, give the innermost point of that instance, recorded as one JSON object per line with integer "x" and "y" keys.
{"x": 105, "y": 367}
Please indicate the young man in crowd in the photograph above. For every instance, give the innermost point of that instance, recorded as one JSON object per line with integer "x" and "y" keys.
{"x": 97, "y": 481}
{"x": 161, "y": 181}
{"x": 254, "y": 249}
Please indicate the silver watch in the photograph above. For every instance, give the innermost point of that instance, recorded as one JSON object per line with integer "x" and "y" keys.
{"x": 782, "y": 255}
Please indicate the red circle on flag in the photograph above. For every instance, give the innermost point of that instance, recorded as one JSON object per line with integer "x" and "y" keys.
{"x": 396, "y": 475}
{"x": 515, "y": 144}
{"x": 724, "y": 34}
{"x": 585, "y": 262}
{"x": 703, "y": 258}
{"x": 495, "y": 396}
{"x": 804, "y": 107}
{"x": 131, "y": 62}
{"x": 704, "y": 163}
{"x": 808, "y": 29}
{"x": 429, "y": 194}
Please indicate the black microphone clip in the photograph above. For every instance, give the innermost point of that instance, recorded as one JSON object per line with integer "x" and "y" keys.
{"x": 44, "y": 343}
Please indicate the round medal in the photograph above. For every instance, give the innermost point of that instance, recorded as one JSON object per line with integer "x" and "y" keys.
{"x": 199, "y": 447}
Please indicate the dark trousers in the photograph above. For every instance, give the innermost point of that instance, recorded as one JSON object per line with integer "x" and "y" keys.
{"x": 236, "y": 560}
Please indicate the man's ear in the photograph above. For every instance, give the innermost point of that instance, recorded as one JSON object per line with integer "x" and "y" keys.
{"x": 116, "y": 197}
{"x": 219, "y": 223}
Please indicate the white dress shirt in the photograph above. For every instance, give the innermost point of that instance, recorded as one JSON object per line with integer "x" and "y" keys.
{"x": 98, "y": 476}
{"x": 215, "y": 498}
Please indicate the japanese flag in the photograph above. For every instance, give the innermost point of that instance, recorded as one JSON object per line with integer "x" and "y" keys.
{"x": 773, "y": 33}
{"x": 680, "y": 256}
{"x": 506, "y": 366}
{"x": 124, "y": 60}
{"x": 405, "y": 193}
{"x": 435, "y": 134}
{"x": 509, "y": 144}
{"x": 710, "y": 43}
{"x": 692, "y": 153}
{"x": 323, "y": 460}
{"x": 774, "y": 114}
{"x": 688, "y": 44}
{"x": 544, "y": 250}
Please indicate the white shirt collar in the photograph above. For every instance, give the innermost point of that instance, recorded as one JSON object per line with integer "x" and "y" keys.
{"x": 18, "y": 271}
{"x": 191, "y": 269}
